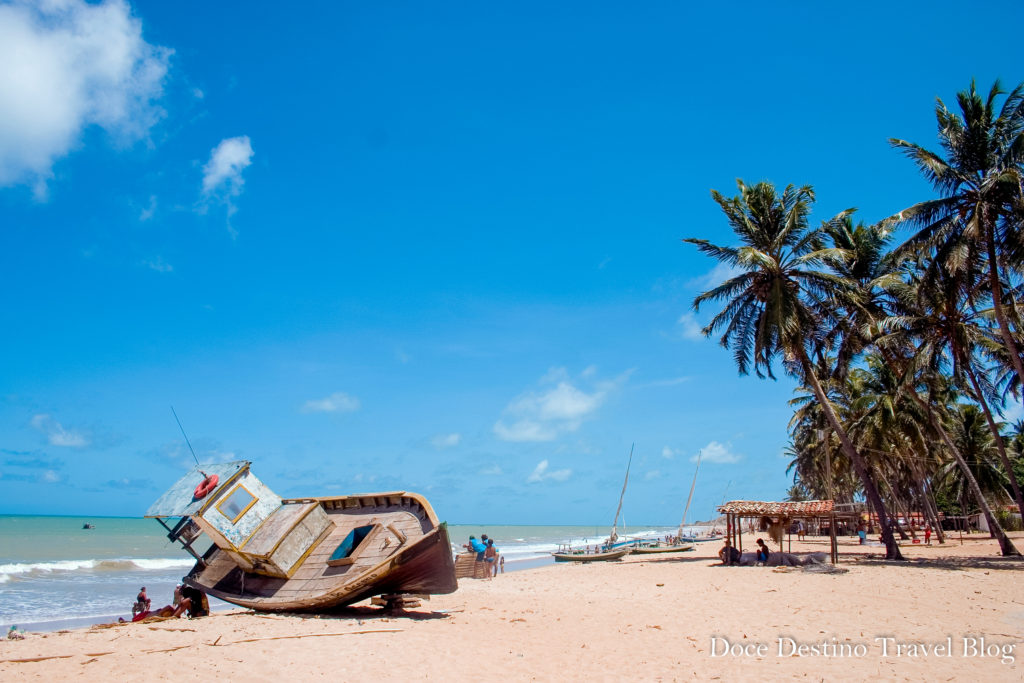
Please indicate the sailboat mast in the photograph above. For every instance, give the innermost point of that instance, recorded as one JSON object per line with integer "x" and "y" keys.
{"x": 622, "y": 495}
{"x": 690, "y": 498}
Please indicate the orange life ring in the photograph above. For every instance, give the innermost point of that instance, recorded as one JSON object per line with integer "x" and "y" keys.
{"x": 205, "y": 486}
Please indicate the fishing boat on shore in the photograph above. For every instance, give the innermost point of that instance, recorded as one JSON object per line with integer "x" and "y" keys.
{"x": 679, "y": 543}
{"x": 612, "y": 548}
{"x": 582, "y": 555}
{"x": 303, "y": 554}
{"x": 660, "y": 547}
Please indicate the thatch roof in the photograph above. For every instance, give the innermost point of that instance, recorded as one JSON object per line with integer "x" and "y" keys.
{"x": 756, "y": 508}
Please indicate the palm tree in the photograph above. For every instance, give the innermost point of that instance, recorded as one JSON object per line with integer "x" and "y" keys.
{"x": 974, "y": 441}
{"x": 780, "y": 304}
{"x": 978, "y": 215}
{"x": 937, "y": 315}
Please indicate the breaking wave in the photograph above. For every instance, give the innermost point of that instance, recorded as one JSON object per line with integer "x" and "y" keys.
{"x": 37, "y": 569}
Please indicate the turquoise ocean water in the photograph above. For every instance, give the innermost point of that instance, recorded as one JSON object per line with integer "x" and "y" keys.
{"x": 55, "y": 574}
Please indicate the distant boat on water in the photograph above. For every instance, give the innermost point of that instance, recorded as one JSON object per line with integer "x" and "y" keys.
{"x": 304, "y": 554}
{"x": 88, "y": 526}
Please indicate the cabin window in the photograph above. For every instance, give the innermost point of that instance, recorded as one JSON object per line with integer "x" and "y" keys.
{"x": 345, "y": 549}
{"x": 237, "y": 503}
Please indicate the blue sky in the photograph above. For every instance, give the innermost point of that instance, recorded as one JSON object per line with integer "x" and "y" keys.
{"x": 426, "y": 247}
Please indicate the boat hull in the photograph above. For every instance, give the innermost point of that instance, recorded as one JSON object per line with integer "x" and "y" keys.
{"x": 657, "y": 549}
{"x": 591, "y": 557}
{"x": 414, "y": 557}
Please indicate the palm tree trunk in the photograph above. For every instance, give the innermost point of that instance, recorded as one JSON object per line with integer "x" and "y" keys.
{"x": 928, "y": 501}
{"x": 998, "y": 438}
{"x": 892, "y": 550}
{"x": 997, "y": 301}
{"x": 1005, "y": 544}
{"x": 900, "y": 507}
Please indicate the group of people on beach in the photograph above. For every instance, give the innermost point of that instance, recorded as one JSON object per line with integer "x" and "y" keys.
{"x": 730, "y": 555}
{"x": 186, "y": 601}
{"x": 486, "y": 552}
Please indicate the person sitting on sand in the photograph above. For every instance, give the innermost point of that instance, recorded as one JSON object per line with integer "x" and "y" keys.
{"x": 728, "y": 554}
{"x": 142, "y": 602}
{"x": 165, "y": 611}
{"x": 199, "y": 605}
{"x": 762, "y": 553}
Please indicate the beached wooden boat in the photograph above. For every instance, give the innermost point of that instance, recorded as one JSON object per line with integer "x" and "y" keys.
{"x": 303, "y": 554}
{"x": 582, "y": 556}
{"x": 612, "y": 548}
{"x": 654, "y": 548}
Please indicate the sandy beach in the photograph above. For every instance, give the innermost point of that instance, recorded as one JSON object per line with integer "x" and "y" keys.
{"x": 948, "y": 613}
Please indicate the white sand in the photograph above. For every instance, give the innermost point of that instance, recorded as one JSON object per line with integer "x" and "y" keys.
{"x": 645, "y": 618}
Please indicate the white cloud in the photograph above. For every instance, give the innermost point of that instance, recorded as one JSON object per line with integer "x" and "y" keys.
{"x": 223, "y": 172}
{"x": 668, "y": 453}
{"x": 158, "y": 265}
{"x": 717, "y": 452}
{"x": 335, "y": 403}
{"x": 716, "y": 276}
{"x": 688, "y": 326}
{"x": 222, "y": 175}
{"x": 147, "y": 213}
{"x": 541, "y": 473}
{"x": 1013, "y": 412}
{"x": 524, "y": 430}
{"x": 446, "y": 440}
{"x": 652, "y": 474}
{"x": 50, "y": 477}
{"x": 56, "y": 434}
{"x": 68, "y": 65}
{"x": 544, "y": 415}
{"x": 493, "y": 470}
{"x": 670, "y": 382}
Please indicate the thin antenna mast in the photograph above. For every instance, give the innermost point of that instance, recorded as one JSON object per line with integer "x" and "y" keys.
{"x": 186, "y": 437}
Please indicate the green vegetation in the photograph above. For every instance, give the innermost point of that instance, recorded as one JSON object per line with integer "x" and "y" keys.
{"x": 907, "y": 353}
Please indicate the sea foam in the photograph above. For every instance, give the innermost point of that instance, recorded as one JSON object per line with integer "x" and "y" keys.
{"x": 21, "y": 569}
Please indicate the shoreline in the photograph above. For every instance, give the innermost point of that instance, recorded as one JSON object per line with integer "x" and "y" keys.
{"x": 641, "y": 618}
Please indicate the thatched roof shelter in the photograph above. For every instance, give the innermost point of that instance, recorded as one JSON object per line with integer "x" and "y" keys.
{"x": 788, "y": 510}
{"x": 779, "y": 514}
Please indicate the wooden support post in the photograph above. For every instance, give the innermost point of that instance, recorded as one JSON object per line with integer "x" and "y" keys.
{"x": 834, "y": 544}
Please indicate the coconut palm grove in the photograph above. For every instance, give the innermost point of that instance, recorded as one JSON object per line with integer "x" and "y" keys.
{"x": 905, "y": 336}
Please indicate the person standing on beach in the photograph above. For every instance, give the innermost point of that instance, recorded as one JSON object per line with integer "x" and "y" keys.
{"x": 491, "y": 556}
{"x": 928, "y": 534}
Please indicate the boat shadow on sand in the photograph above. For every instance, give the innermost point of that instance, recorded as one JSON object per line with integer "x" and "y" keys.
{"x": 682, "y": 558}
{"x": 358, "y": 613}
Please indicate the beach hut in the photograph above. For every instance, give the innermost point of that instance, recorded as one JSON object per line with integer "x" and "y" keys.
{"x": 781, "y": 515}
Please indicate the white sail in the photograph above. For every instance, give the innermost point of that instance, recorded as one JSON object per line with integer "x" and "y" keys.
{"x": 613, "y": 536}
{"x": 690, "y": 498}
